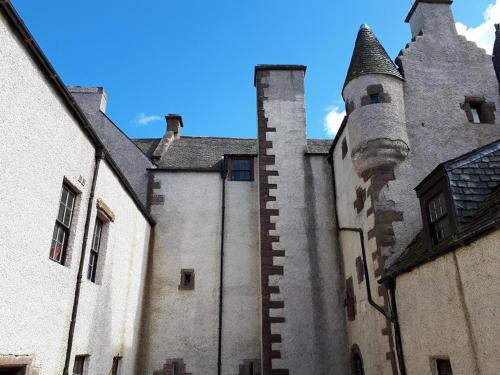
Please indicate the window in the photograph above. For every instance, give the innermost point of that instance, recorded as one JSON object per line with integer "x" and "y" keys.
{"x": 79, "y": 365}
{"x": 375, "y": 98}
{"x": 62, "y": 225}
{"x": 443, "y": 367}
{"x": 478, "y": 110}
{"x": 94, "y": 250}
{"x": 116, "y": 365}
{"x": 241, "y": 169}
{"x": 438, "y": 217}
{"x": 187, "y": 279}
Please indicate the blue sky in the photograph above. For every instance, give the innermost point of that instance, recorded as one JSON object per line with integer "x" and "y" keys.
{"x": 196, "y": 57}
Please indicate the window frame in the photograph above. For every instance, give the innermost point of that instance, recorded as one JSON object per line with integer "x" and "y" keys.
{"x": 440, "y": 196}
{"x": 83, "y": 358}
{"x": 232, "y": 158}
{"x": 434, "y": 186}
{"x": 95, "y": 250}
{"x": 61, "y": 226}
{"x": 191, "y": 284}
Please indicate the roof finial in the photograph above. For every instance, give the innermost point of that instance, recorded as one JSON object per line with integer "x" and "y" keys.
{"x": 364, "y": 26}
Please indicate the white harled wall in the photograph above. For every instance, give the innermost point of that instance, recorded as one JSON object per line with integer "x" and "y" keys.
{"x": 40, "y": 146}
{"x": 183, "y": 324}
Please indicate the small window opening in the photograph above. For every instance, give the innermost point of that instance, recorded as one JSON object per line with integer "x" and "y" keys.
{"x": 438, "y": 217}
{"x": 375, "y": 98}
{"x": 79, "y": 365}
{"x": 187, "y": 279}
{"x": 444, "y": 367}
{"x": 175, "y": 368}
{"x": 241, "y": 169}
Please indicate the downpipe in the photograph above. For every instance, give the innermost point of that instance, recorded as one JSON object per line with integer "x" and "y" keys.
{"x": 392, "y": 314}
{"x": 223, "y": 175}
{"x": 98, "y": 157}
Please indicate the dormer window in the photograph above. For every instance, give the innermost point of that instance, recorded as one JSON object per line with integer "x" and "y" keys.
{"x": 438, "y": 218}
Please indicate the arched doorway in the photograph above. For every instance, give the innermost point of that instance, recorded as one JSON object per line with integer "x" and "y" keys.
{"x": 356, "y": 361}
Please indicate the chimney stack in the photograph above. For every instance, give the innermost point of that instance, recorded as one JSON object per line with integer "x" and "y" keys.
{"x": 432, "y": 17}
{"x": 90, "y": 99}
{"x": 174, "y": 125}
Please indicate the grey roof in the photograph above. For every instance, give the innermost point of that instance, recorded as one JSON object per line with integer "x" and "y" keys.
{"x": 369, "y": 57}
{"x": 207, "y": 152}
{"x": 130, "y": 159}
{"x": 474, "y": 181}
{"x": 473, "y": 177}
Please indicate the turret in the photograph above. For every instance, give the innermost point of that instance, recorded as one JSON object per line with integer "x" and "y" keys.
{"x": 373, "y": 93}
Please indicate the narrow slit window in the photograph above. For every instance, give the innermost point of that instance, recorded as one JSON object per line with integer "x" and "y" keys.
{"x": 241, "y": 169}
{"x": 62, "y": 225}
{"x": 94, "y": 250}
{"x": 444, "y": 367}
{"x": 438, "y": 217}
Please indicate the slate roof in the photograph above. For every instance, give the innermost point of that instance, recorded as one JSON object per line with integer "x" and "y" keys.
{"x": 473, "y": 177}
{"x": 369, "y": 57}
{"x": 474, "y": 181}
{"x": 205, "y": 153}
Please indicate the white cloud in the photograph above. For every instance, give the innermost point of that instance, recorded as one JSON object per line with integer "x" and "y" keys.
{"x": 484, "y": 34}
{"x": 333, "y": 120}
{"x": 143, "y": 119}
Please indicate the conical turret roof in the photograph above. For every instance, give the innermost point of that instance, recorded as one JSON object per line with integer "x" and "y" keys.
{"x": 369, "y": 57}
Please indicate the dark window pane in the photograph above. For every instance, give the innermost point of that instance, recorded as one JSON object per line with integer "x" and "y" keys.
{"x": 58, "y": 243}
{"x": 94, "y": 250}
{"x": 444, "y": 367}
{"x": 79, "y": 365}
{"x": 241, "y": 164}
{"x": 375, "y": 98}
{"x": 241, "y": 169}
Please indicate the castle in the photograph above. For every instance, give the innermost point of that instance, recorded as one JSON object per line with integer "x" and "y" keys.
{"x": 375, "y": 253}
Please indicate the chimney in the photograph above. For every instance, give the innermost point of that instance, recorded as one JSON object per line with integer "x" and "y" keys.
{"x": 432, "y": 17}
{"x": 496, "y": 51}
{"x": 90, "y": 99}
{"x": 174, "y": 124}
